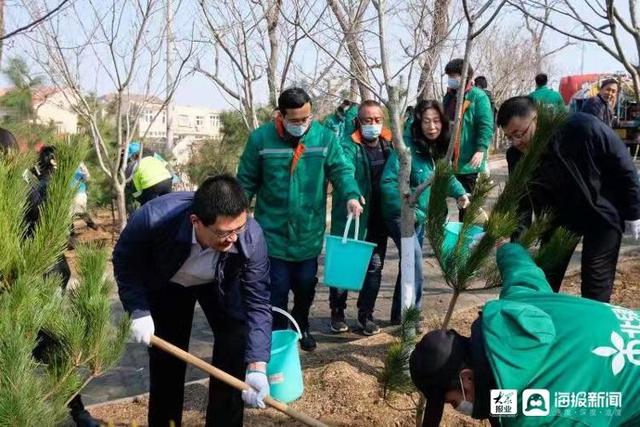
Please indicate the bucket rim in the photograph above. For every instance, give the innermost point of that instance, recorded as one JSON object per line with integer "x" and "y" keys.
{"x": 361, "y": 242}
{"x": 283, "y": 347}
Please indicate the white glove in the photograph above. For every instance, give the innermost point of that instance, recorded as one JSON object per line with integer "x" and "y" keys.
{"x": 142, "y": 329}
{"x": 254, "y": 397}
{"x": 463, "y": 201}
{"x": 633, "y": 228}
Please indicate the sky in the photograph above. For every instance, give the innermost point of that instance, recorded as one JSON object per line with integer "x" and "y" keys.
{"x": 198, "y": 90}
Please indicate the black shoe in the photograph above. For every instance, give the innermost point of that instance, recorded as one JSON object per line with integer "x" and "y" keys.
{"x": 395, "y": 322}
{"x": 368, "y": 326}
{"x": 84, "y": 419}
{"x": 307, "y": 342}
{"x": 338, "y": 325}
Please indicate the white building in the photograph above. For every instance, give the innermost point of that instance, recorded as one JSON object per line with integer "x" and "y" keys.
{"x": 50, "y": 106}
{"x": 198, "y": 123}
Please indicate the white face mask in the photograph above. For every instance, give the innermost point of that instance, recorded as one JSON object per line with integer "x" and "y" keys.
{"x": 464, "y": 407}
{"x": 371, "y": 132}
{"x": 453, "y": 82}
{"x": 296, "y": 130}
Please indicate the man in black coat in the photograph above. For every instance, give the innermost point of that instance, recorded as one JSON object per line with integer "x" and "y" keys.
{"x": 186, "y": 247}
{"x": 588, "y": 180}
{"x": 601, "y": 105}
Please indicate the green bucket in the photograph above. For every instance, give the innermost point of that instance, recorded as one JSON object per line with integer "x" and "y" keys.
{"x": 283, "y": 370}
{"x": 346, "y": 260}
{"x": 451, "y": 233}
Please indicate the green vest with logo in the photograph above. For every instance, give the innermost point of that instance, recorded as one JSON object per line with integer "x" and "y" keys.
{"x": 585, "y": 353}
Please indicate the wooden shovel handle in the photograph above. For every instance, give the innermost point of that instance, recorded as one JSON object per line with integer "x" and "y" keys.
{"x": 231, "y": 380}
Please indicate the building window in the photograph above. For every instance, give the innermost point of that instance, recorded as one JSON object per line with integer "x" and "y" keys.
{"x": 147, "y": 116}
{"x": 199, "y": 120}
{"x": 214, "y": 121}
{"x": 164, "y": 117}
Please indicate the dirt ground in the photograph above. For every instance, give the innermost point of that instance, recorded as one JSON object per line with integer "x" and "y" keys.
{"x": 341, "y": 389}
{"x": 341, "y": 385}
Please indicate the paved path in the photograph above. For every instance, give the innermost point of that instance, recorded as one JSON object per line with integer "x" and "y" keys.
{"x": 131, "y": 376}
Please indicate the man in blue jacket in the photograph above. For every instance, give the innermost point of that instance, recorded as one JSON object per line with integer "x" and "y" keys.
{"x": 186, "y": 247}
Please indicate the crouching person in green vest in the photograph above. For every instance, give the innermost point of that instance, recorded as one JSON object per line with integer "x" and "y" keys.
{"x": 367, "y": 150}
{"x": 285, "y": 165}
{"x": 534, "y": 346}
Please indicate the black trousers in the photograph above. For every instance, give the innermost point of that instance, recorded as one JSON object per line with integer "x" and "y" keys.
{"x": 372, "y": 280}
{"x": 157, "y": 190}
{"x": 600, "y": 249}
{"x": 468, "y": 181}
{"x": 172, "y": 310}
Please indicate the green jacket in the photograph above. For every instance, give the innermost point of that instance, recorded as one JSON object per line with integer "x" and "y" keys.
{"x": 357, "y": 157}
{"x": 537, "y": 339}
{"x": 291, "y": 205}
{"x": 547, "y": 96}
{"x": 477, "y": 130}
{"x": 422, "y": 167}
{"x": 342, "y": 124}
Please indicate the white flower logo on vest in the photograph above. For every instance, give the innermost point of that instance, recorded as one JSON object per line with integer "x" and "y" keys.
{"x": 620, "y": 352}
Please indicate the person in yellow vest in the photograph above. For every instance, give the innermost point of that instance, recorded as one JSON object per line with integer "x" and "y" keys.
{"x": 151, "y": 175}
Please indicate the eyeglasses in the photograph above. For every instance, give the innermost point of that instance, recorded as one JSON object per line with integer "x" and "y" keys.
{"x": 521, "y": 134}
{"x": 226, "y": 234}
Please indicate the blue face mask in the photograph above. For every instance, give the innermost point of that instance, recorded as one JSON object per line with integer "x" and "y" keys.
{"x": 371, "y": 132}
{"x": 453, "y": 82}
{"x": 296, "y": 129}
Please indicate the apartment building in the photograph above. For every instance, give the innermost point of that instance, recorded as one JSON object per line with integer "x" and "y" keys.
{"x": 197, "y": 123}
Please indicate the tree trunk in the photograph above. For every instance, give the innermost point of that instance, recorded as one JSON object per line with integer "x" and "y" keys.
{"x": 438, "y": 34}
{"x": 457, "y": 123}
{"x": 452, "y": 305}
{"x": 121, "y": 205}
{"x": 407, "y": 217}
{"x": 353, "y": 84}
{"x": 1, "y": 27}
{"x": 272, "y": 16}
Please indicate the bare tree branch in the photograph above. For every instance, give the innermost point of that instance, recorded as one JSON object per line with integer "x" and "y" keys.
{"x": 35, "y": 22}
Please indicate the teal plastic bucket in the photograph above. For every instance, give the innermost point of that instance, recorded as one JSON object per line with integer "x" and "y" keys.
{"x": 283, "y": 370}
{"x": 346, "y": 260}
{"x": 451, "y": 233}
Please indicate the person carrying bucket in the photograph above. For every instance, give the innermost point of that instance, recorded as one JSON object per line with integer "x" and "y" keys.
{"x": 367, "y": 150}
{"x": 427, "y": 138}
{"x": 186, "y": 247}
{"x": 285, "y": 165}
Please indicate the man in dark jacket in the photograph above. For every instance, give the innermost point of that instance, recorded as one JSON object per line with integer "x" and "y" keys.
{"x": 601, "y": 105}
{"x": 184, "y": 247}
{"x": 589, "y": 182}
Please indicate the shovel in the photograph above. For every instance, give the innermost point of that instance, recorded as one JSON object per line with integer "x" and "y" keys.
{"x": 231, "y": 380}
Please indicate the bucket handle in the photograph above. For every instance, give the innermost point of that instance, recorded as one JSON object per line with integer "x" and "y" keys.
{"x": 291, "y": 319}
{"x": 346, "y": 228}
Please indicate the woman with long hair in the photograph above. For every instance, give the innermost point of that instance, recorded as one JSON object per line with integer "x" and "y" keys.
{"x": 427, "y": 138}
